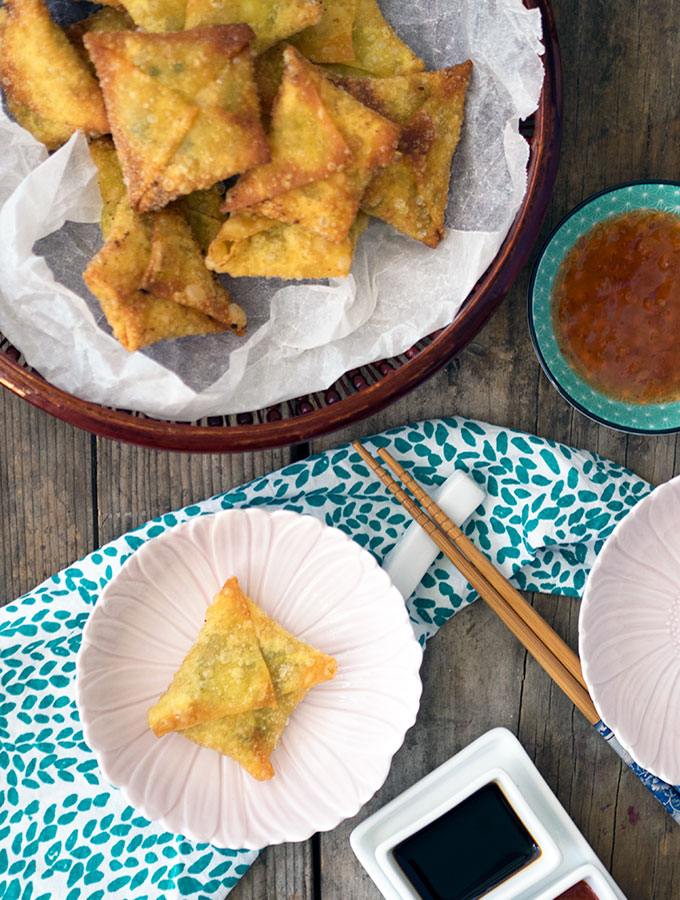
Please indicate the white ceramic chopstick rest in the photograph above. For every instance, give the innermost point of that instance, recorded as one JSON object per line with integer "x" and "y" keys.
{"x": 459, "y": 496}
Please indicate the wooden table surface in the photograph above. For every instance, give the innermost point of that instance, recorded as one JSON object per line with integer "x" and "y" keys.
{"x": 64, "y": 492}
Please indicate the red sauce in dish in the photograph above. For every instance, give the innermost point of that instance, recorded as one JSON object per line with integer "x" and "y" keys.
{"x": 580, "y": 891}
{"x": 616, "y": 307}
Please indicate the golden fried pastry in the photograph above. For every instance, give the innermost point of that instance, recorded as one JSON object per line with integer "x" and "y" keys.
{"x": 249, "y": 738}
{"x": 224, "y": 672}
{"x": 412, "y": 193}
{"x": 115, "y": 277}
{"x": 295, "y": 667}
{"x": 176, "y": 271}
{"x": 278, "y": 250}
{"x": 202, "y": 211}
{"x": 378, "y": 50}
{"x": 271, "y": 22}
{"x": 48, "y": 87}
{"x": 306, "y": 144}
{"x": 330, "y": 40}
{"x": 328, "y": 207}
{"x": 110, "y": 179}
{"x": 158, "y": 15}
{"x": 183, "y": 108}
{"x": 110, "y": 18}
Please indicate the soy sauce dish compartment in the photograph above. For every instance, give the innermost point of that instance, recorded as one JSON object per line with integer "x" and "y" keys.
{"x": 499, "y": 845}
{"x": 491, "y": 842}
{"x": 483, "y": 825}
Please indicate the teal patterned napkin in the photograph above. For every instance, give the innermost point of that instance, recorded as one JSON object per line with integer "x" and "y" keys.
{"x": 65, "y": 833}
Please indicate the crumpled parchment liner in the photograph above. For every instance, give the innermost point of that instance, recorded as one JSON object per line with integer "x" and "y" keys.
{"x": 301, "y": 336}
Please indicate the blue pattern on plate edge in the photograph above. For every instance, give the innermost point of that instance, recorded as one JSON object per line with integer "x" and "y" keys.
{"x": 65, "y": 833}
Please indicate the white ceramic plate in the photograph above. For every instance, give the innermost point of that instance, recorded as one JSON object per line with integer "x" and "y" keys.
{"x": 629, "y": 632}
{"x": 336, "y": 749}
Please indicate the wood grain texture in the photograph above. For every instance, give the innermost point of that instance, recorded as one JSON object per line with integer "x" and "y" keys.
{"x": 46, "y": 506}
{"x": 63, "y": 492}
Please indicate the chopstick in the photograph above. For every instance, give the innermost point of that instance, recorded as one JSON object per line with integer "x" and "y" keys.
{"x": 544, "y": 644}
{"x": 521, "y": 606}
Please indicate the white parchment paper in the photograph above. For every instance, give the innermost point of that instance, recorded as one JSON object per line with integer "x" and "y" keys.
{"x": 301, "y": 336}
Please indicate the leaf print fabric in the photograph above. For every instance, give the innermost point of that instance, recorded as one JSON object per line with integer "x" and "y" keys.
{"x": 65, "y": 833}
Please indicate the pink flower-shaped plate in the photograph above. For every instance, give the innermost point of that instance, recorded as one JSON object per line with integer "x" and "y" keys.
{"x": 629, "y": 632}
{"x": 336, "y": 749}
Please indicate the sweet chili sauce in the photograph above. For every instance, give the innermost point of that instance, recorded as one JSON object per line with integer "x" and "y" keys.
{"x": 580, "y": 891}
{"x": 616, "y": 307}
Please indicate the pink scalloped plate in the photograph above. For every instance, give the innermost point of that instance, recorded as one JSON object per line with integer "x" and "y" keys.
{"x": 337, "y": 747}
{"x": 629, "y": 632}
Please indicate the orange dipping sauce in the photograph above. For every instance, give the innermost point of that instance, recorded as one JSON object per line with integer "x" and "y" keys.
{"x": 616, "y": 307}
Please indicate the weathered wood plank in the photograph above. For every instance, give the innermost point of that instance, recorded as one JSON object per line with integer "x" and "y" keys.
{"x": 134, "y": 484}
{"x": 45, "y": 496}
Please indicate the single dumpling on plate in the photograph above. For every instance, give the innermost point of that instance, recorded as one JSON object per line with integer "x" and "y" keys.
{"x": 223, "y": 673}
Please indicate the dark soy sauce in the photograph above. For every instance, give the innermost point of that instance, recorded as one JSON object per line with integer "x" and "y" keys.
{"x": 469, "y": 850}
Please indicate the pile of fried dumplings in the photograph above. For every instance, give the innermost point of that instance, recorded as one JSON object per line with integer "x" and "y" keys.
{"x": 240, "y": 137}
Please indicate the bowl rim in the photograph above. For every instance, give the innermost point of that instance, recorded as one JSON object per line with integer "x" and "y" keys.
{"x": 412, "y": 665}
{"x": 481, "y": 303}
{"x": 670, "y": 486}
{"x": 550, "y": 375}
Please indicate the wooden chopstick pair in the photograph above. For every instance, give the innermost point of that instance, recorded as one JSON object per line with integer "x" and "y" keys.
{"x": 544, "y": 644}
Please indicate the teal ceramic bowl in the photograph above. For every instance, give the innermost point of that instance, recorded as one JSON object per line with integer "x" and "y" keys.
{"x": 637, "y": 418}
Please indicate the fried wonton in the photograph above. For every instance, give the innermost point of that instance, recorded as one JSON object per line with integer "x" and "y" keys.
{"x": 158, "y": 15}
{"x": 115, "y": 277}
{"x": 268, "y": 74}
{"x": 328, "y": 207}
{"x": 224, "y": 673}
{"x": 278, "y": 250}
{"x": 330, "y": 40}
{"x": 295, "y": 667}
{"x": 176, "y": 271}
{"x": 249, "y": 738}
{"x": 412, "y": 193}
{"x": 110, "y": 178}
{"x": 48, "y": 87}
{"x": 306, "y": 145}
{"x": 378, "y": 50}
{"x": 202, "y": 211}
{"x": 271, "y": 22}
{"x": 109, "y": 18}
{"x": 293, "y": 664}
{"x": 183, "y": 108}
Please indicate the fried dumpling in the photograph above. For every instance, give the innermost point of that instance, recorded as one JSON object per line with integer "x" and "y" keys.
{"x": 183, "y": 108}
{"x": 412, "y": 193}
{"x": 158, "y": 15}
{"x": 278, "y": 250}
{"x": 110, "y": 179}
{"x": 249, "y": 738}
{"x": 176, "y": 271}
{"x": 295, "y": 667}
{"x": 115, "y": 276}
{"x": 224, "y": 672}
{"x": 271, "y": 22}
{"x": 329, "y": 206}
{"x": 306, "y": 144}
{"x": 330, "y": 39}
{"x": 48, "y": 87}
{"x": 202, "y": 212}
{"x": 378, "y": 50}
